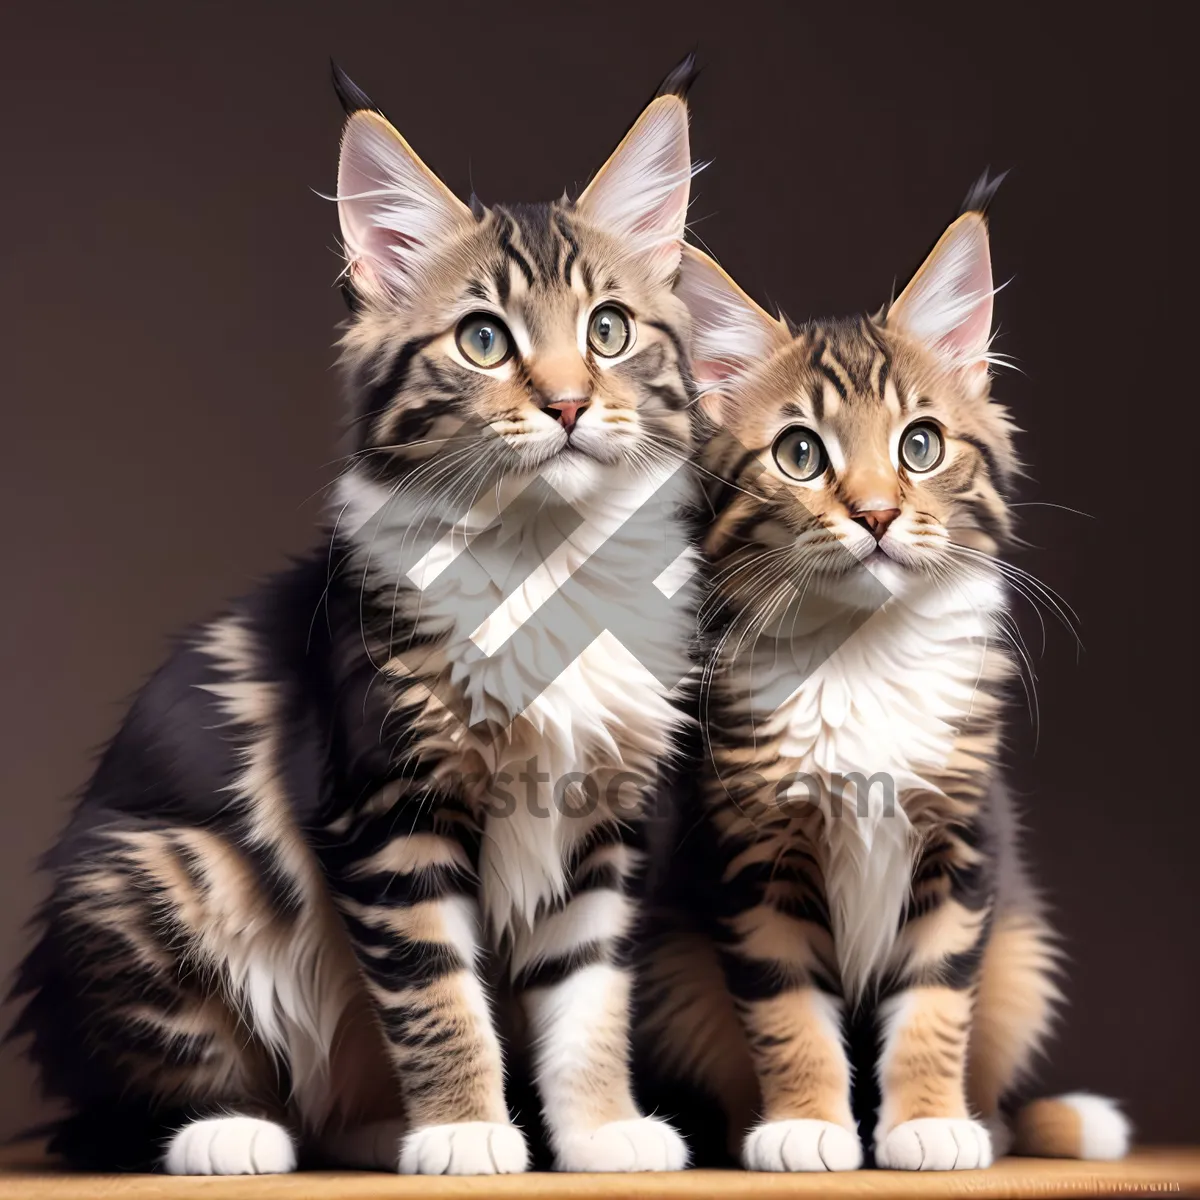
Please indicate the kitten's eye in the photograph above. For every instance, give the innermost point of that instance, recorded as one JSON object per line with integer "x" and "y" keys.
{"x": 483, "y": 340}
{"x": 922, "y": 447}
{"x": 609, "y": 331}
{"x": 799, "y": 453}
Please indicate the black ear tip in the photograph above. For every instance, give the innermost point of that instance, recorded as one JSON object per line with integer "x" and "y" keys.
{"x": 352, "y": 98}
{"x": 680, "y": 79}
{"x": 983, "y": 190}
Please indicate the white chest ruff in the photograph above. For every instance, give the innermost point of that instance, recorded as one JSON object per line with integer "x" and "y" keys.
{"x": 864, "y": 728}
{"x": 590, "y": 702}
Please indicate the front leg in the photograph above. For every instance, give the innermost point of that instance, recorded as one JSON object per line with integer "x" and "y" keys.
{"x": 776, "y": 949}
{"x": 408, "y": 902}
{"x": 576, "y": 988}
{"x": 924, "y": 1120}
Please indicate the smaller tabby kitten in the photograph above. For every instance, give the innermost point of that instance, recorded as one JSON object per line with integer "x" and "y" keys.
{"x": 333, "y": 831}
{"x": 855, "y": 621}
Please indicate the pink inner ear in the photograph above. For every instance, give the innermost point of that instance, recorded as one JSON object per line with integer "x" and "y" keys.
{"x": 707, "y": 372}
{"x": 969, "y": 339}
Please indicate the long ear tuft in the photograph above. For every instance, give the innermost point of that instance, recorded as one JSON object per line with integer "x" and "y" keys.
{"x": 641, "y": 192}
{"x": 394, "y": 210}
{"x": 680, "y": 80}
{"x": 351, "y": 97}
{"x": 948, "y": 302}
{"x": 729, "y": 331}
{"x": 982, "y": 193}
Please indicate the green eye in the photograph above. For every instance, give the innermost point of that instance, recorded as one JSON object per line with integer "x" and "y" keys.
{"x": 922, "y": 447}
{"x": 799, "y": 453}
{"x": 484, "y": 340}
{"x": 610, "y": 331}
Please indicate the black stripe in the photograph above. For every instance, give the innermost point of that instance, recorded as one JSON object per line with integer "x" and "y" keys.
{"x": 381, "y": 394}
{"x": 511, "y": 252}
{"x": 752, "y": 979}
{"x": 503, "y": 283}
{"x": 572, "y": 253}
{"x": 672, "y": 398}
{"x": 833, "y": 378}
{"x": 989, "y": 459}
{"x": 405, "y": 963}
{"x": 555, "y": 970}
{"x": 818, "y": 402}
{"x": 674, "y": 338}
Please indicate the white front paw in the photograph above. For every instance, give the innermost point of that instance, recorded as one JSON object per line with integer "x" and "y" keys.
{"x": 230, "y": 1146}
{"x": 641, "y": 1144}
{"x": 801, "y": 1145}
{"x": 465, "y": 1148}
{"x": 935, "y": 1144}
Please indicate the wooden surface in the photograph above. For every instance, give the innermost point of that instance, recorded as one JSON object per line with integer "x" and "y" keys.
{"x": 1156, "y": 1171}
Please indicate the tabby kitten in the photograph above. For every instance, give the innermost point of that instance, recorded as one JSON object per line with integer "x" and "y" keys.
{"x": 856, "y": 621}
{"x": 280, "y": 895}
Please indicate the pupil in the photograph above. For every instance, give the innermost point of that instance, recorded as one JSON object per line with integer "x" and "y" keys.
{"x": 485, "y": 338}
{"x": 605, "y": 328}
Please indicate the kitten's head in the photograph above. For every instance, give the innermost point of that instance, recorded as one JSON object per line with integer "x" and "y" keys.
{"x": 491, "y": 344}
{"x": 869, "y": 441}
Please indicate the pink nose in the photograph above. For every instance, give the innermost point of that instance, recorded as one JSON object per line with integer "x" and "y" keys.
{"x": 567, "y": 412}
{"x": 877, "y": 520}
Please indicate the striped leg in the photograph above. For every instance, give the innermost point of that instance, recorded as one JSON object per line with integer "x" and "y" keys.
{"x": 409, "y": 907}
{"x": 924, "y": 1120}
{"x": 577, "y": 991}
{"x": 129, "y": 1008}
{"x": 776, "y": 944}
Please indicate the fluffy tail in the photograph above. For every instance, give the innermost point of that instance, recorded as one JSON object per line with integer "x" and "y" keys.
{"x": 1078, "y": 1125}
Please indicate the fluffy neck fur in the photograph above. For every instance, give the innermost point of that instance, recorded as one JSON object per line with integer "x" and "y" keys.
{"x": 887, "y": 700}
{"x": 604, "y": 711}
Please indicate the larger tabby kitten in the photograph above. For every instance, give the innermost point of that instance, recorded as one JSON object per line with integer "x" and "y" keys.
{"x": 853, "y": 854}
{"x": 274, "y": 910}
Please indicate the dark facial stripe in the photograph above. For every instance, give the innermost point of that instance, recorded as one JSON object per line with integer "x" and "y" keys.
{"x": 502, "y": 282}
{"x": 831, "y": 374}
{"x": 721, "y": 494}
{"x": 379, "y": 395}
{"x": 511, "y": 252}
{"x": 672, "y": 336}
{"x": 885, "y": 368}
{"x": 817, "y": 400}
{"x": 989, "y": 459}
{"x": 572, "y": 250}
{"x": 818, "y": 364}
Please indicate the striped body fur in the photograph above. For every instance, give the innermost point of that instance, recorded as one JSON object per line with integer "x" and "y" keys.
{"x": 852, "y": 848}
{"x": 341, "y": 829}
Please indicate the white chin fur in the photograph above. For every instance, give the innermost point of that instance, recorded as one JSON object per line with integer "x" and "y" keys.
{"x": 1104, "y": 1129}
{"x": 574, "y": 475}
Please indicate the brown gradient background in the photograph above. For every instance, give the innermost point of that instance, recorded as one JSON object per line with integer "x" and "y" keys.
{"x": 169, "y": 408}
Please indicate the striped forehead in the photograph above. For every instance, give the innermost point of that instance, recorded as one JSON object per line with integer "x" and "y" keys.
{"x": 843, "y": 369}
{"x": 538, "y": 266}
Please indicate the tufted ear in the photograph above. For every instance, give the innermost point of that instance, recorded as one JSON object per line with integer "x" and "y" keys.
{"x": 394, "y": 211}
{"x": 948, "y": 302}
{"x": 730, "y": 333}
{"x": 641, "y": 192}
